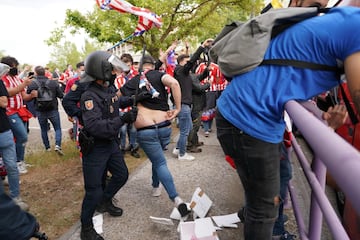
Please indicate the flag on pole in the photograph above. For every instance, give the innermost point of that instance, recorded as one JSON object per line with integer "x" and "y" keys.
{"x": 147, "y": 19}
{"x": 272, "y": 4}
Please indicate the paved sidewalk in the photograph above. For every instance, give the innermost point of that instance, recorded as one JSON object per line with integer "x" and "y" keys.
{"x": 209, "y": 171}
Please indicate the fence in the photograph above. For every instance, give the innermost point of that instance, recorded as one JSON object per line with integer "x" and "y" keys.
{"x": 331, "y": 153}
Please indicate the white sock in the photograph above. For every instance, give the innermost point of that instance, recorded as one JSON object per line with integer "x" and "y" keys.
{"x": 178, "y": 201}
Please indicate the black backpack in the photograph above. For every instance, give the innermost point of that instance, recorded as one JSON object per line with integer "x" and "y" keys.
{"x": 45, "y": 98}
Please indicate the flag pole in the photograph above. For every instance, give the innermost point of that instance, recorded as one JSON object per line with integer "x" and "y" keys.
{"x": 121, "y": 42}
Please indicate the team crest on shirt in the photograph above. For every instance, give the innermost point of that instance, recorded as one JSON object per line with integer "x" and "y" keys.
{"x": 89, "y": 105}
{"x": 74, "y": 87}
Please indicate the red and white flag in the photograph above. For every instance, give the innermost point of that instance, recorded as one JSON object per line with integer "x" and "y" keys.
{"x": 147, "y": 19}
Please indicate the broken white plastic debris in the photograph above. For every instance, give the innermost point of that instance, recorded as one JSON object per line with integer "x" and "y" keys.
{"x": 229, "y": 220}
{"x": 98, "y": 223}
{"x": 200, "y": 229}
{"x": 200, "y": 203}
{"x": 165, "y": 221}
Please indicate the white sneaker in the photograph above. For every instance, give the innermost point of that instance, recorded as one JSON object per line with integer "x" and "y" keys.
{"x": 58, "y": 150}
{"x": 186, "y": 157}
{"x": 182, "y": 207}
{"x": 28, "y": 165}
{"x": 156, "y": 192}
{"x": 178, "y": 201}
{"x": 21, "y": 204}
{"x": 22, "y": 167}
{"x": 175, "y": 152}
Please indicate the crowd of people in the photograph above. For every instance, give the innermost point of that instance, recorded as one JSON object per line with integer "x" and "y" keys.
{"x": 118, "y": 107}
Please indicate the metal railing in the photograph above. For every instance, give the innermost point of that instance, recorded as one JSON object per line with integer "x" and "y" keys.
{"x": 331, "y": 153}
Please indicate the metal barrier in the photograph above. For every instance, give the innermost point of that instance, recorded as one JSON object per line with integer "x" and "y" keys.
{"x": 331, "y": 153}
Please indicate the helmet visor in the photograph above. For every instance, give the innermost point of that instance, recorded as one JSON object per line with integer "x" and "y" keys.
{"x": 118, "y": 65}
{"x": 4, "y": 69}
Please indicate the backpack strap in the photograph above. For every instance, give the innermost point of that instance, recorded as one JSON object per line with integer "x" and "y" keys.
{"x": 40, "y": 85}
{"x": 354, "y": 119}
{"x": 37, "y": 83}
{"x": 303, "y": 64}
{"x": 316, "y": 66}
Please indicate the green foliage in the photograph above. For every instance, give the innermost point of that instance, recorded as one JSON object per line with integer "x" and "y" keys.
{"x": 2, "y": 53}
{"x": 185, "y": 20}
{"x": 39, "y": 158}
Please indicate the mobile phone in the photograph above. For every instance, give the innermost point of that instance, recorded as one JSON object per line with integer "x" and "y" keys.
{"x": 31, "y": 74}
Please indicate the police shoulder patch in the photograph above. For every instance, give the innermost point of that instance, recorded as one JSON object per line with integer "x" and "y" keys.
{"x": 89, "y": 104}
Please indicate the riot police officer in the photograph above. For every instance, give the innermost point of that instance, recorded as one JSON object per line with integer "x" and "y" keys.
{"x": 100, "y": 147}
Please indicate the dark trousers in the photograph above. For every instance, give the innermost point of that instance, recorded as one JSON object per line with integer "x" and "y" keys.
{"x": 193, "y": 138}
{"x": 285, "y": 177}
{"x": 257, "y": 164}
{"x": 104, "y": 156}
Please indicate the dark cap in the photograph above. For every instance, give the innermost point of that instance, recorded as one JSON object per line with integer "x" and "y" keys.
{"x": 148, "y": 59}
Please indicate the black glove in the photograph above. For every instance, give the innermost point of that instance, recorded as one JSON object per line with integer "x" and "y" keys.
{"x": 142, "y": 96}
{"x": 130, "y": 116}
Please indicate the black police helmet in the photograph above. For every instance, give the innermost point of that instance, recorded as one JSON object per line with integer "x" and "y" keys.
{"x": 99, "y": 65}
{"x": 148, "y": 59}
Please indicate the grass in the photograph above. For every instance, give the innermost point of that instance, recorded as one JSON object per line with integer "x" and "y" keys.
{"x": 53, "y": 187}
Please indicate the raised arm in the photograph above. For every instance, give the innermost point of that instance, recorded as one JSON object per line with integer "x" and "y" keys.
{"x": 352, "y": 72}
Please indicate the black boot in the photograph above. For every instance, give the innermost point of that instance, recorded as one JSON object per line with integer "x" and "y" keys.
{"x": 183, "y": 210}
{"x": 89, "y": 233}
{"x": 134, "y": 153}
{"x": 108, "y": 206}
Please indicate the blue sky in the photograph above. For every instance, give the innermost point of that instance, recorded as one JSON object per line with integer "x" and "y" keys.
{"x": 26, "y": 24}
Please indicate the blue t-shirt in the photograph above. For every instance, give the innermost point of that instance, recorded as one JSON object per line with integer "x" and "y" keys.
{"x": 254, "y": 101}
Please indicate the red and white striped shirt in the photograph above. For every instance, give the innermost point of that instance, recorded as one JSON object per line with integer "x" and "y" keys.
{"x": 216, "y": 78}
{"x": 15, "y": 102}
{"x": 121, "y": 80}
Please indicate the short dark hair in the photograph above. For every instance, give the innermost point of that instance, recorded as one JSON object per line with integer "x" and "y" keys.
{"x": 79, "y": 64}
{"x": 40, "y": 70}
{"x": 126, "y": 57}
{"x": 11, "y": 61}
{"x": 181, "y": 57}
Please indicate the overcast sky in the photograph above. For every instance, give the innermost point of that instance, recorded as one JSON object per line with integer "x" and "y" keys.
{"x": 25, "y": 24}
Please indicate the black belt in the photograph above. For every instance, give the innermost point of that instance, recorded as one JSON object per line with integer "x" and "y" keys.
{"x": 158, "y": 125}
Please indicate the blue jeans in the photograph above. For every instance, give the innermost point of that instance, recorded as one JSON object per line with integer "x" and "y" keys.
{"x": 207, "y": 125}
{"x": 20, "y": 133}
{"x": 8, "y": 152}
{"x": 104, "y": 156}
{"x": 130, "y": 130}
{"x": 153, "y": 142}
{"x": 285, "y": 176}
{"x": 257, "y": 164}
{"x": 54, "y": 117}
{"x": 185, "y": 126}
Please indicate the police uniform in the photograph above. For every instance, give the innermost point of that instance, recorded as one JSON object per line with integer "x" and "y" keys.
{"x": 101, "y": 122}
{"x": 71, "y": 99}
{"x": 100, "y": 114}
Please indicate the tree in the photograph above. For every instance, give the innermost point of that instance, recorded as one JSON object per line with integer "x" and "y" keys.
{"x": 2, "y": 53}
{"x": 191, "y": 20}
{"x": 68, "y": 53}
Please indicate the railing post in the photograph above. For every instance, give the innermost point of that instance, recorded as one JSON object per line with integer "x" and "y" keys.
{"x": 316, "y": 216}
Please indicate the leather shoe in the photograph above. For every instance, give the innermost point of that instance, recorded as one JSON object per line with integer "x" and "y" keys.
{"x": 89, "y": 233}
{"x": 199, "y": 144}
{"x": 194, "y": 149}
{"x": 108, "y": 206}
{"x": 134, "y": 153}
